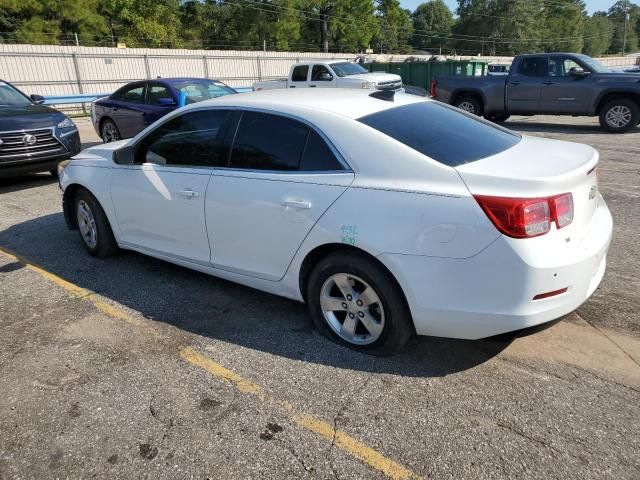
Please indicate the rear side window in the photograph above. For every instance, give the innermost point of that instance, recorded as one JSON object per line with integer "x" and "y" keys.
{"x": 318, "y": 157}
{"x": 534, "y": 67}
{"x": 300, "y": 73}
{"x": 268, "y": 142}
{"x": 442, "y": 132}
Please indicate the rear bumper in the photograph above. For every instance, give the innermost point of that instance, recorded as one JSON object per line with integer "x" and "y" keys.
{"x": 492, "y": 292}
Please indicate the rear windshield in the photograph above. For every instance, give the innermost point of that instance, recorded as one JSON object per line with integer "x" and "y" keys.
{"x": 441, "y": 132}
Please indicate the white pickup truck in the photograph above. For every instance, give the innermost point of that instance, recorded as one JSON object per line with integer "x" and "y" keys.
{"x": 333, "y": 74}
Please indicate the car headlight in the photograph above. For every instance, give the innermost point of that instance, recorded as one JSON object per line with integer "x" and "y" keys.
{"x": 66, "y": 124}
{"x": 61, "y": 166}
{"x": 368, "y": 85}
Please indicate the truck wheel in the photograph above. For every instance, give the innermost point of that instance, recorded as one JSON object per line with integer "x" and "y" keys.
{"x": 469, "y": 104}
{"x": 497, "y": 117}
{"x": 619, "y": 115}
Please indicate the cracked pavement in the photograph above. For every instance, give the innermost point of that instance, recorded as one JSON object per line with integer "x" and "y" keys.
{"x": 87, "y": 392}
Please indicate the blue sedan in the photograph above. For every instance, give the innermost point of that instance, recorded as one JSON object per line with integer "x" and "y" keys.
{"x": 132, "y": 108}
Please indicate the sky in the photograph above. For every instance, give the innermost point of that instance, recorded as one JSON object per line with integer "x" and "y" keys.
{"x": 592, "y": 5}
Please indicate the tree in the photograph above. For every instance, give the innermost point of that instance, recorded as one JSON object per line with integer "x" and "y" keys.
{"x": 616, "y": 16}
{"x": 597, "y": 34}
{"x": 564, "y": 25}
{"x": 394, "y": 27}
{"x": 431, "y": 18}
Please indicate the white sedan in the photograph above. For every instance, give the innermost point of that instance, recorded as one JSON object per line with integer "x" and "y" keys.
{"x": 387, "y": 214}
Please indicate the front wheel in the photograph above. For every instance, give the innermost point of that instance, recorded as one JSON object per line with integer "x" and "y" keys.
{"x": 619, "y": 115}
{"x": 93, "y": 225}
{"x": 469, "y": 104}
{"x": 354, "y": 301}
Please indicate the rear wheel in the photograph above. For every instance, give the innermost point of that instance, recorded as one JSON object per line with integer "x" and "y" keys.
{"x": 355, "y": 302}
{"x": 93, "y": 225}
{"x": 109, "y": 131}
{"x": 619, "y": 115}
{"x": 469, "y": 104}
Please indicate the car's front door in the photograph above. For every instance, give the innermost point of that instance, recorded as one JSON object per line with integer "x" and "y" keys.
{"x": 523, "y": 86}
{"x": 321, "y": 77}
{"x": 160, "y": 200}
{"x": 282, "y": 176}
{"x": 563, "y": 92}
{"x": 159, "y": 102}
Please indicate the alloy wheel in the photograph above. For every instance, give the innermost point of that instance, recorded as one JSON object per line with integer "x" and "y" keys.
{"x": 87, "y": 225}
{"x": 467, "y": 107}
{"x": 618, "y": 116}
{"x": 352, "y": 309}
{"x": 109, "y": 132}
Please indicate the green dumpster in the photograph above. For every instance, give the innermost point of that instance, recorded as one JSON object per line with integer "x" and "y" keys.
{"x": 420, "y": 74}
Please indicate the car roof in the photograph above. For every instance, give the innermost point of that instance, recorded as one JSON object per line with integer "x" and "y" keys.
{"x": 184, "y": 79}
{"x": 324, "y": 60}
{"x": 351, "y": 103}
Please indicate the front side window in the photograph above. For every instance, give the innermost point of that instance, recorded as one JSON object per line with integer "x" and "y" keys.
{"x": 9, "y": 96}
{"x": 561, "y": 66}
{"x": 134, "y": 94}
{"x": 534, "y": 67}
{"x": 320, "y": 73}
{"x": 192, "y": 139}
{"x": 157, "y": 94}
{"x": 299, "y": 73}
{"x": 268, "y": 142}
{"x": 442, "y": 132}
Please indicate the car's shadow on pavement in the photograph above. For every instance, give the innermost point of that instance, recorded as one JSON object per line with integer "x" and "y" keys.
{"x": 214, "y": 308}
{"x": 24, "y": 182}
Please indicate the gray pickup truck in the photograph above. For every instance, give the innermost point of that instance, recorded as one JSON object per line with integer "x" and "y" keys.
{"x": 548, "y": 84}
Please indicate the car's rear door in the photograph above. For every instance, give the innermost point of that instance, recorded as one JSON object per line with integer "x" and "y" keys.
{"x": 282, "y": 176}
{"x": 299, "y": 77}
{"x": 160, "y": 200}
{"x": 524, "y": 85}
{"x": 129, "y": 108}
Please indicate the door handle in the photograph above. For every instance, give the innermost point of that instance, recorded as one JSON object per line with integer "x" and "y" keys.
{"x": 292, "y": 86}
{"x": 547, "y": 83}
{"x": 514, "y": 83}
{"x": 115, "y": 109}
{"x": 312, "y": 86}
{"x": 301, "y": 204}
{"x": 189, "y": 193}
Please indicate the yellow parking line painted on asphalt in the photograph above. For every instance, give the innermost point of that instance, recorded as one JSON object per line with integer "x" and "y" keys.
{"x": 325, "y": 430}
{"x": 68, "y": 286}
{"x": 72, "y": 288}
{"x": 321, "y": 428}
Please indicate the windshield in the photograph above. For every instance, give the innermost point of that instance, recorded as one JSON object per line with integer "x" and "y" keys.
{"x": 441, "y": 132}
{"x": 348, "y": 68}
{"x": 195, "y": 91}
{"x": 593, "y": 64}
{"x": 9, "y": 96}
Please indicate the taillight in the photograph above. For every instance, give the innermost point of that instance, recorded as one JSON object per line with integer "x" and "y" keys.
{"x": 562, "y": 209}
{"x": 432, "y": 91}
{"x": 527, "y": 217}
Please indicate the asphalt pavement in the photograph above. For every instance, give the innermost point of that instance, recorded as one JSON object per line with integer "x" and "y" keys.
{"x": 131, "y": 367}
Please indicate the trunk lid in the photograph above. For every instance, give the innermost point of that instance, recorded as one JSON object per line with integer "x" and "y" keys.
{"x": 538, "y": 167}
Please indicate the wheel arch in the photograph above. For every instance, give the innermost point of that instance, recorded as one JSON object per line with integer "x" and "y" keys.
{"x": 314, "y": 256}
{"x": 68, "y": 201}
{"x": 609, "y": 95}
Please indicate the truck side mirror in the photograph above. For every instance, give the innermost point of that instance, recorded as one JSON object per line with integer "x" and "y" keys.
{"x": 578, "y": 72}
{"x": 325, "y": 77}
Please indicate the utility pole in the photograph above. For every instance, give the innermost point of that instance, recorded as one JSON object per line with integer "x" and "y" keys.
{"x": 624, "y": 35}
{"x": 77, "y": 42}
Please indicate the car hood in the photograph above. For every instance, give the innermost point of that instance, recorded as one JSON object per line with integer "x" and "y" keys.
{"x": 376, "y": 77}
{"x": 28, "y": 117}
{"x": 619, "y": 76}
{"x": 98, "y": 154}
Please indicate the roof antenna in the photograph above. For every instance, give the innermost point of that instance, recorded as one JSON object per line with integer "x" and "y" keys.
{"x": 386, "y": 95}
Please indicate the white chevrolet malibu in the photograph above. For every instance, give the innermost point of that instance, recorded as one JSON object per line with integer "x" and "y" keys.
{"x": 387, "y": 214}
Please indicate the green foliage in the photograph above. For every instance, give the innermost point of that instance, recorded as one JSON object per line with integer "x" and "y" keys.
{"x": 489, "y": 27}
{"x": 432, "y": 18}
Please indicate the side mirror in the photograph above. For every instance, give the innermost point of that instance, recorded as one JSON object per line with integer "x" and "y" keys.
{"x": 124, "y": 155}
{"x": 326, "y": 77}
{"x": 38, "y": 99}
{"x": 578, "y": 72}
{"x": 166, "y": 102}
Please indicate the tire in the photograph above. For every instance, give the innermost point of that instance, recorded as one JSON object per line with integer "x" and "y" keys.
{"x": 389, "y": 322}
{"x": 109, "y": 131}
{"x": 469, "y": 104}
{"x": 497, "y": 117}
{"x": 93, "y": 226}
{"x": 619, "y": 115}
